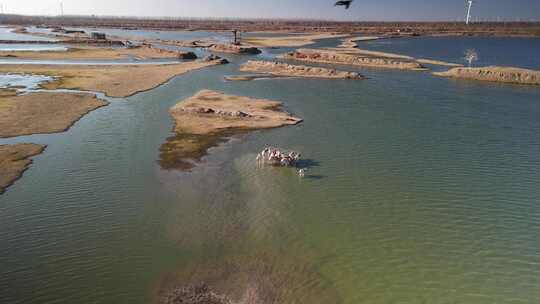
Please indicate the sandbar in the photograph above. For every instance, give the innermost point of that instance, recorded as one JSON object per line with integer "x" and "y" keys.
{"x": 495, "y": 74}
{"x": 96, "y": 53}
{"x": 438, "y": 62}
{"x": 357, "y": 51}
{"x": 352, "y": 42}
{"x": 289, "y": 41}
{"x": 43, "y": 112}
{"x": 208, "y": 118}
{"x": 234, "y": 49}
{"x": 289, "y": 70}
{"x": 338, "y": 57}
{"x": 114, "y": 80}
{"x": 14, "y": 160}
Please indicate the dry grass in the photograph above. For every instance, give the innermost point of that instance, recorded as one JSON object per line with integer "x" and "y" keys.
{"x": 113, "y": 80}
{"x": 40, "y": 113}
{"x": 93, "y": 53}
{"x": 14, "y": 160}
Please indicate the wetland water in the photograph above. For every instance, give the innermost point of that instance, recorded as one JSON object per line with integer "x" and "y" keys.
{"x": 419, "y": 190}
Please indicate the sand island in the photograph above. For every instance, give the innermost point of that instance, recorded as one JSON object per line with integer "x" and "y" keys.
{"x": 352, "y": 42}
{"x": 291, "y": 40}
{"x": 351, "y": 47}
{"x": 43, "y": 112}
{"x": 495, "y": 74}
{"x": 14, "y": 160}
{"x": 288, "y": 70}
{"x": 144, "y": 52}
{"x": 337, "y": 57}
{"x": 112, "y": 80}
{"x": 208, "y": 117}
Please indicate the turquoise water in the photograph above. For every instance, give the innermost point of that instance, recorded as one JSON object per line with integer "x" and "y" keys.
{"x": 419, "y": 190}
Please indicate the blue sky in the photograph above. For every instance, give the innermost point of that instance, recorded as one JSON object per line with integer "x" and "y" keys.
{"x": 362, "y": 10}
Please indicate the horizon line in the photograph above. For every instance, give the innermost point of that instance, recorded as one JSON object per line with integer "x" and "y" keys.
{"x": 299, "y": 19}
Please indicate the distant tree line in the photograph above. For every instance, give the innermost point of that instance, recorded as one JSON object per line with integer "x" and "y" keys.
{"x": 169, "y": 23}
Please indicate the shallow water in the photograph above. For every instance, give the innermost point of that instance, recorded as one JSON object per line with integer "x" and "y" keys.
{"x": 419, "y": 190}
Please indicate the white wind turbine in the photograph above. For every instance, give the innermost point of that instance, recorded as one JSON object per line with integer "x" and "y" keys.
{"x": 470, "y": 2}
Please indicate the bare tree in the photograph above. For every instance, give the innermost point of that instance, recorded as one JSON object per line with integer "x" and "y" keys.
{"x": 470, "y": 56}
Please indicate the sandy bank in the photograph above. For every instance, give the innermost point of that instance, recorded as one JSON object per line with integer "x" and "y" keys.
{"x": 245, "y": 77}
{"x": 205, "y": 119}
{"x": 352, "y": 42}
{"x": 114, "y": 80}
{"x": 495, "y": 74}
{"x": 438, "y": 62}
{"x": 234, "y": 49}
{"x": 39, "y": 113}
{"x": 351, "y": 48}
{"x": 356, "y": 51}
{"x": 14, "y": 160}
{"x": 94, "y": 53}
{"x": 289, "y": 41}
{"x": 288, "y": 70}
{"x": 336, "y": 57}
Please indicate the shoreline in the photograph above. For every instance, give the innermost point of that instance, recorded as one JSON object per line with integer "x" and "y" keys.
{"x": 44, "y": 112}
{"x": 15, "y": 159}
{"x": 338, "y": 57}
{"x": 287, "y": 70}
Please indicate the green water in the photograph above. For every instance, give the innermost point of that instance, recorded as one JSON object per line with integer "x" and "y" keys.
{"x": 419, "y": 190}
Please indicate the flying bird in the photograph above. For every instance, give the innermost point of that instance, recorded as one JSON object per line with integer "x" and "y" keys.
{"x": 346, "y": 3}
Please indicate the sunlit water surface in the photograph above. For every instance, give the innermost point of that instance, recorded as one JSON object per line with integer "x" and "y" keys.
{"x": 419, "y": 190}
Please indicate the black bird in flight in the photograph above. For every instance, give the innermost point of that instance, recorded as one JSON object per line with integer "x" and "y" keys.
{"x": 346, "y": 3}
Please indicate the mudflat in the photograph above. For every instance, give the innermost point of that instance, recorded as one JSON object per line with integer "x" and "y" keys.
{"x": 14, "y": 160}
{"x": 112, "y": 80}
{"x": 289, "y": 41}
{"x": 289, "y": 70}
{"x": 495, "y": 74}
{"x": 43, "y": 112}
{"x": 208, "y": 118}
